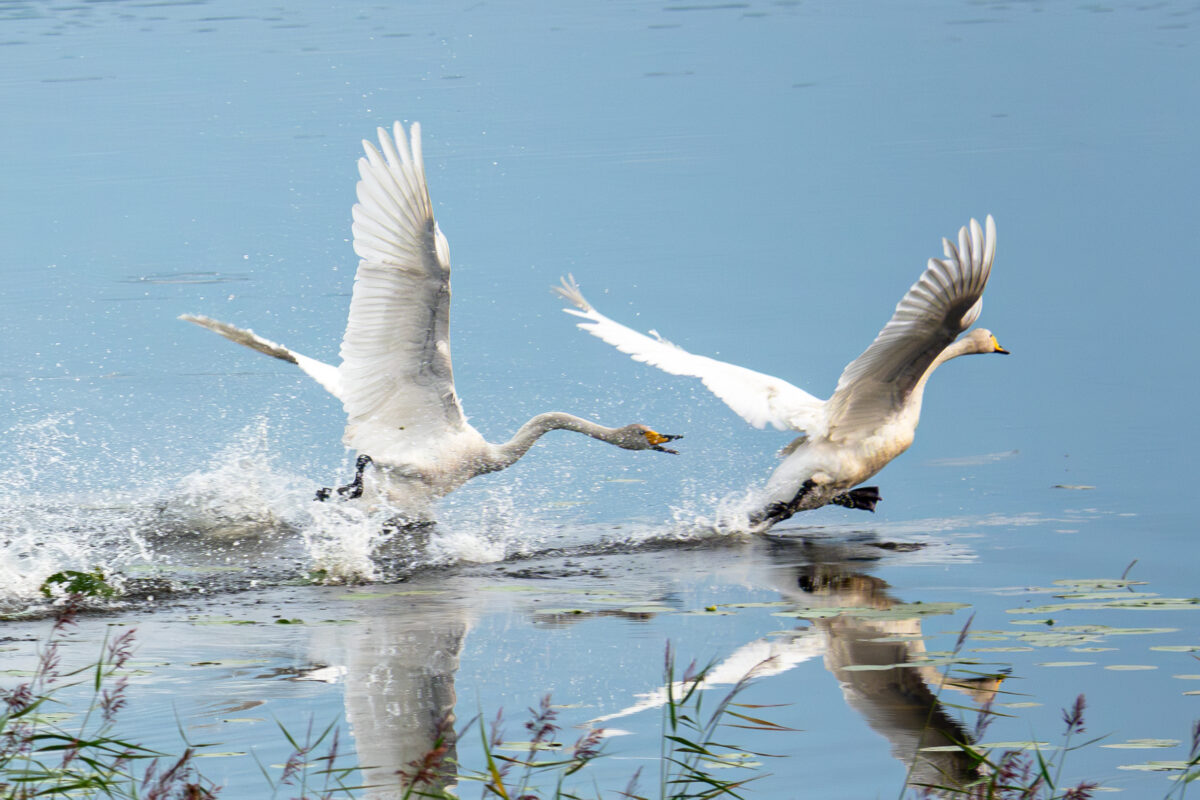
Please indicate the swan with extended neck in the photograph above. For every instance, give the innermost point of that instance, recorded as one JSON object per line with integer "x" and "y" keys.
{"x": 873, "y": 413}
{"x": 395, "y": 381}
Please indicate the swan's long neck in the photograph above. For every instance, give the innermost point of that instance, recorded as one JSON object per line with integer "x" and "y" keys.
{"x": 962, "y": 347}
{"x": 506, "y": 454}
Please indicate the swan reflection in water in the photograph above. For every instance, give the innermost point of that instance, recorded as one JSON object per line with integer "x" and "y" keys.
{"x": 400, "y": 666}
{"x": 399, "y": 670}
{"x": 863, "y": 653}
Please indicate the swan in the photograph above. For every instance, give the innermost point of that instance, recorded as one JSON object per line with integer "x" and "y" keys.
{"x": 873, "y": 413}
{"x": 395, "y": 380}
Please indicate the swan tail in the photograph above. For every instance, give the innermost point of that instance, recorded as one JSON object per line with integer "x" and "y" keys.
{"x": 324, "y": 374}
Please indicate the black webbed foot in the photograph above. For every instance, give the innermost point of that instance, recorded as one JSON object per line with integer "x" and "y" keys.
{"x": 778, "y": 512}
{"x": 351, "y": 490}
{"x": 864, "y": 497}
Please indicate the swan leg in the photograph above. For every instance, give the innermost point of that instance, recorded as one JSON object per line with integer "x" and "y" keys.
{"x": 778, "y": 512}
{"x": 864, "y": 497}
{"x": 350, "y": 490}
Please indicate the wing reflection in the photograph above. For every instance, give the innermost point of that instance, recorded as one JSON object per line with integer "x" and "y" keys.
{"x": 864, "y": 653}
{"x": 899, "y": 702}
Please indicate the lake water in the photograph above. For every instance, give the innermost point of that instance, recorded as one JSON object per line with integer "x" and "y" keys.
{"x": 758, "y": 181}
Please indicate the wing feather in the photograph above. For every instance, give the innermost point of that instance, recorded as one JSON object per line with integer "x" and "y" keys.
{"x": 759, "y": 399}
{"x": 944, "y": 302}
{"x": 396, "y": 369}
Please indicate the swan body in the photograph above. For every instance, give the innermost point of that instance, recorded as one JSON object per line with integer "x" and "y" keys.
{"x": 873, "y": 413}
{"x": 395, "y": 380}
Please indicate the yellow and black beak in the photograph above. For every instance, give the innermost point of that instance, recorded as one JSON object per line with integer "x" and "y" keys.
{"x": 996, "y": 348}
{"x": 657, "y": 439}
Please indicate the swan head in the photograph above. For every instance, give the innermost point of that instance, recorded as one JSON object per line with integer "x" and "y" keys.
{"x": 640, "y": 437}
{"x": 981, "y": 340}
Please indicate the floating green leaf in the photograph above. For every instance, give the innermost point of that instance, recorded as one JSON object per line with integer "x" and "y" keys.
{"x": 897, "y": 611}
{"x": 1156, "y": 766}
{"x": 407, "y": 593}
{"x": 525, "y": 746}
{"x": 1142, "y": 744}
{"x": 1129, "y": 667}
{"x": 1138, "y": 602}
{"x": 1001, "y": 649}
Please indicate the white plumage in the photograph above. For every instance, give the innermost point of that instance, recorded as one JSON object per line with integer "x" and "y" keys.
{"x": 395, "y": 381}
{"x": 873, "y": 413}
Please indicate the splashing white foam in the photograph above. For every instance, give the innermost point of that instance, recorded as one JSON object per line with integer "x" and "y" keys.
{"x": 47, "y": 523}
{"x": 241, "y": 492}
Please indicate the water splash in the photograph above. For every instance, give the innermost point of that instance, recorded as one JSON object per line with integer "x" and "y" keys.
{"x": 47, "y": 522}
{"x": 241, "y": 492}
{"x": 246, "y": 517}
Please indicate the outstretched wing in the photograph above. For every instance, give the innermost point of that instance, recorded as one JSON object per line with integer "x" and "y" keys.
{"x": 396, "y": 352}
{"x": 324, "y": 374}
{"x": 759, "y": 399}
{"x": 942, "y": 304}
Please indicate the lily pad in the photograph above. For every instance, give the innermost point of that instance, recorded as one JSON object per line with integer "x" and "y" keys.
{"x": 1103, "y": 595}
{"x": 1066, "y": 663}
{"x": 1097, "y": 583}
{"x": 1157, "y": 766}
{"x": 898, "y": 611}
{"x": 1131, "y": 602}
{"x": 1142, "y": 744}
{"x": 525, "y": 746}
{"x": 1001, "y": 649}
{"x": 400, "y": 593}
{"x": 1129, "y": 667}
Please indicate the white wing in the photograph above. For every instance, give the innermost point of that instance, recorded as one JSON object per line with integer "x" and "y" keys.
{"x": 757, "y": 398}
{"x": 322, "y": 373}
{"x": 943, "y": 303}
{"x": 395, "y": 367}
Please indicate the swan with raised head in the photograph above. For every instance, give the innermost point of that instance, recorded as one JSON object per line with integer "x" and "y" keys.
{"x": 395, "y": 380}
{"x": 873, "y": 413}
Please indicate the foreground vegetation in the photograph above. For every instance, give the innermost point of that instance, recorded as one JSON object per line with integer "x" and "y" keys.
{"x": 46, "y": 754}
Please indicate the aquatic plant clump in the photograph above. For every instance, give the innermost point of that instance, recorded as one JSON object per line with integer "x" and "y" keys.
{"x": 48, "y": 755}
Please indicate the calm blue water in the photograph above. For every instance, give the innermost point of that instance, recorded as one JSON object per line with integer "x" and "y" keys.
{"x": 757, "y": 181}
